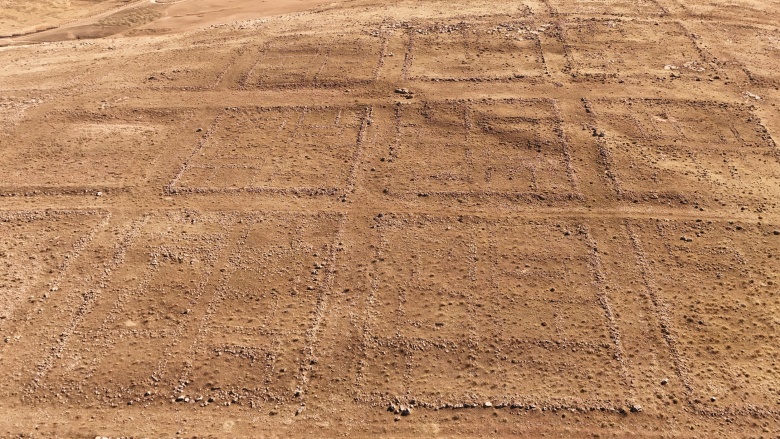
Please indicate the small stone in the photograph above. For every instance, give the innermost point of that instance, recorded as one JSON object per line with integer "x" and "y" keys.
{"x": 713, "y": 399}
{"x": 636, "y": 408}
{"x": 664, "y": 382}
{"x": 273, "y": 413}
{"x": 199, "y": 130}
{"x": 487, "y": 404}
{"x": 402, "y": 91}
{"x": 776, "y": 232}
{"x": 391, "y": 408}
{"x": 99, "y": 194}
{"x": 406, "y": 411}
{"x": 180, "y": 398}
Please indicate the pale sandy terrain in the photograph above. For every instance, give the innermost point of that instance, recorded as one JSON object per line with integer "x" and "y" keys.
{"x": 415, "y": 218}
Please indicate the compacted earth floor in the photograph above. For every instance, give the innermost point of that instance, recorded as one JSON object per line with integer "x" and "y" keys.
{"x": 405, "y": 218}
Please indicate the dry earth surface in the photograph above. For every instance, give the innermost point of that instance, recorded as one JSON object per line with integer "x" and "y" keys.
{"x": 401, "y": 218}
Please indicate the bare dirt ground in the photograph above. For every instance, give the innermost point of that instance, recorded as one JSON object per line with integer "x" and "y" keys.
{"x": 411, "y": 219}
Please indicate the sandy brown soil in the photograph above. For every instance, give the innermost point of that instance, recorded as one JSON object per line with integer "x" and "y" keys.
{"x": 410, "y": 219}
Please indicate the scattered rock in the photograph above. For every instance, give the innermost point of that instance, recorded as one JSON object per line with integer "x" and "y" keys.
{"x": 664, "y": 382}
{"x": 636, "y": 408}
{"x": 776, "y": 232}
{"x": 487, "y": 404}
{"x": 406, "y": 411}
